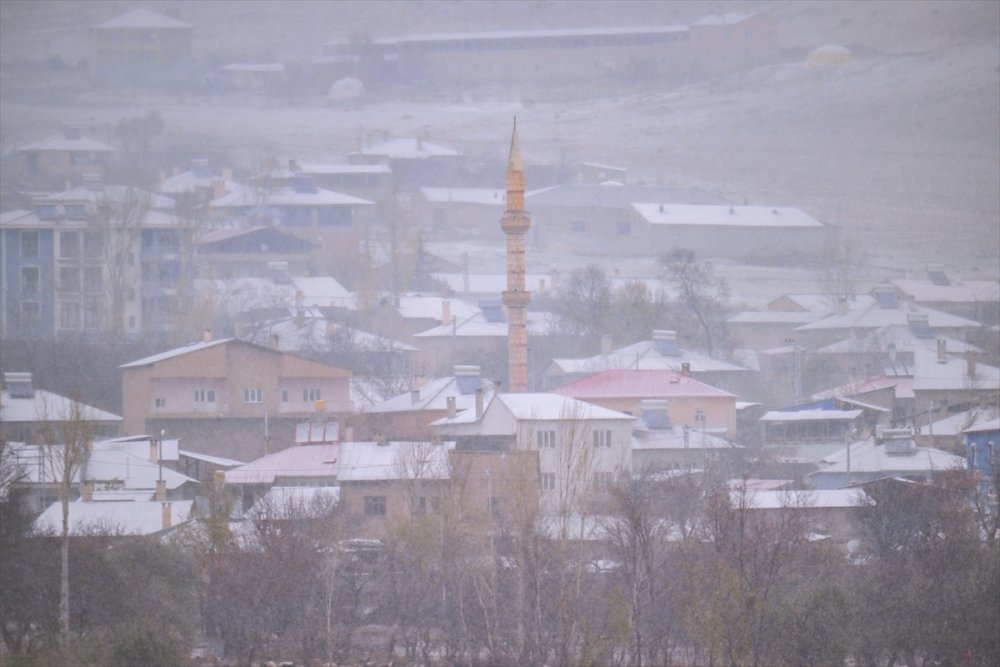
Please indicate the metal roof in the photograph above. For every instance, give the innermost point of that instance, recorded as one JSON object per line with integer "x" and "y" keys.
{"x": 639, "y": 384}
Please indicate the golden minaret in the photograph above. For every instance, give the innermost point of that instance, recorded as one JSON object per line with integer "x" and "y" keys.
{"x": 515, "y": 224}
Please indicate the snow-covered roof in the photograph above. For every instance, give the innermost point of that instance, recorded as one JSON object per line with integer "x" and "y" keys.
{"x": 118, "y": 518}
{"x": 542, "y": 407}
{"x": 802, "y": 499}
{"x": 47, "y": 406}
{"x": 931, "y": 374}
{"x": 167, "y": 449}
{"x": 867, "y": 457}
{"x": 60, "y": 142}
{"x": 189, "y": 181}
{"x": 290, "y": 502}
{"x": 964, "y": 422}
{"x": 961, "y": 291}
{"x": 639, "y": 384}
{"x": 142, "y": 18}
{"x": 874, "y": 316}
{"x": 588, "y": 195}
{"x": 775, "y": 317}
{"x": 478, "y": 326}
{"x": 323, "y": 169}
{"x": 434, "y": 395}
{"x": 266, "y": 68}
{"x": 724, "y": 19}
{"x": 673, "y": 439}
{"x": 644, "y": 355}
{"x": 899, "y": 335}
{"x": 992, "y": 425}
{"x": 810, "y": 415}
{"x": 406, "y": 148}
{"x": 529, "y": 34}
{"x": 724, "y": 216}
{"x": 308, "y": 461}
{"x": 318, "y": 334}
{"x": 903, "y": 386}
{"x": 207, "y": 458}
{"x": 485, "y": 196}
{"x": 418, "y": 306}
{"x": 287, "y": 196}
{"x": 10, "y": 217}
{"x": 42, "y": 464}
{"x": 490, "y": 283}
{"x": 176, "y": 352}
{"x": 112, "y": 194}
{"x": 821, "y": 303}
{"x": 370, "y": 461}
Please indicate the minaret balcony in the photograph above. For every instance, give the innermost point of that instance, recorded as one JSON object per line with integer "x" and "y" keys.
{"x": 515, "y": 298}
{"x": 515, "y": 222}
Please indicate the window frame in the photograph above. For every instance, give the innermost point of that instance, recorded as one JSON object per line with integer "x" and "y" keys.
{"x": 375, "y": 506}
{"x": 545, "y": 439}
{"x": 253, "y": 395}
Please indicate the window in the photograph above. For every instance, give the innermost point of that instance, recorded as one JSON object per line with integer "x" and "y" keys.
{"x": 29, "y": 245}
{"x": 75, "y": 211}
{"x": 204, "y": 396}
{"x": 602, "y": 438}
{"x": 69, "y": 245}
{"x": 93, "y": 279}
{"x": 29, "y": 280}
{"x": 374, "y": 505}
{"x": 545, "y": 439}
{"x": 253, "y": 395}
{"x": 93, "y": 245}
{"x": 419, "y": 506}
{"x": 284, "y": 395}
{"x": 310, "y": 395}
{"x": 46, "y": 211}
{"x": 93, "y": 315}
{"x": 160, "y": 402}
{"x": 69, "y": 315}
{"x": 69, "y": 279}
{"x": 31, "y": 316}
{"x": 548, "y": 480}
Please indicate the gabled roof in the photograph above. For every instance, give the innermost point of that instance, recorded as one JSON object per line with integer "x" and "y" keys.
{"x": 587, "y": 195}
{"x": 112, "y": 194}
{"x": 60, "y": 142}
{"x": 409, "y": 149}
{"x": 930, "y": 374}
{"x": 308, "y": 461}
{"x": 484, "y": 196}
{"x": 47, "y": 406}
{"x": 992, "y": 425}
{"x": 142, "y": 18}
{"x": 673, "y": 439}
{"x": 775, "y": 317}
{"x": 478, "y": 326}
{"x": 539, "y": 407}
{"x": 899, "y": 335}
{"x": 867, "y": 457}
{"x": 118, "y": 518}
{"x": 176, "y": 352}
{"x": 286, "y": 196}
{"x": 903, "y": 385}
{"x": 42, "y": 465}
{"x": 964, "y": 291}
{"x": 643, "y": 356}
{"x": 810, "y": 415}
{"x": 418, "y": 306}
{"x": 189, "y": 181}
{"x": 874, "y": 316}
{"x": 724, "y": 216}
{"x": 820, "y": 303}
{"x": 731, "y": 18}
{"x": 970, "y": 421}
{"x": 639, "y": 384}
{"x": 227, "y": 233}
{"x": 370, "y": 461}
{"x": 802, "y": 499}
{"x": 433, "y": 395}
{"x": 315, "y": 333}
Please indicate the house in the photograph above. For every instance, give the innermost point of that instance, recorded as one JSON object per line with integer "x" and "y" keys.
{"x": 385, "y": 481}
{"x": 580, "y": 445}
{"x": 57, "y": 261}
{"x": 118, "y": 518}
{"x": 982, "y": 448}
{"x": 830, "y": 513}
{"x": 809, "y": 432}
{"x": 658, "y": 444}
{"x": 195, "y": 188}
{"x": 662, "y": 353}
{"x": 403, "y": 316}
{"x": 414, "y": 162}
{"x": 948, "y": 433}
{"x": 410, "y": 414}
{"x": 893, "y": 393}
{"x": 121, "y": 469}
{"x": 974, "y": 299}
{"x": 470, "y": 213}
{"x": 943, "y": 384}
{"x": 237, "y": 252}
{"x": 368, "y": 181}
{"x": 141, "y": 47}
{"x": 884, "y": 309}
{"x": 740, "y": 232}
{"x": 892, "y": 453}
{"x": 68, "y": 155}
{"x": 26, "y": 412}
{"x": 691, "y": 403}
{"x": 228, "y": 397}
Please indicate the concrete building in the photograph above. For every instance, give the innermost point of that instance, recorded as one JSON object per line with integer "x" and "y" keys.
{"x": 141, "y": 47}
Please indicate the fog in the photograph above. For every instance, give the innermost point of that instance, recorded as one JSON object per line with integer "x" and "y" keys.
{"x": 792, "y": 205}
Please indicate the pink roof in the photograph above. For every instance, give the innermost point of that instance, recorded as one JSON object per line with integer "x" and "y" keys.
{"x": 298, "y": 461}
{"x": 638, "y": 384}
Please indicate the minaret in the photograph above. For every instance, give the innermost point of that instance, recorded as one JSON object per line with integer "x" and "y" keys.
{"x": 515, "y": 224}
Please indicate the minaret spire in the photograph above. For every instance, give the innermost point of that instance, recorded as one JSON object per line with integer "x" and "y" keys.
{"x": 515, "y": 224}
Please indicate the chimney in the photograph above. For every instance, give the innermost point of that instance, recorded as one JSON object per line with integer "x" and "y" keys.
{"x": 451, "y": 407}
{"x": 414, "y": 396}
{"x": 970, "y": 364}
{"x": 218, "y": 188}
{"x": 445, "y": 311}
{"x": 686, "y": 369}
{"x": 206, "y": 335}
{"x": 942, "y": 350}
{"x": 479, "y": 403}
{"x": 154, "y": 451}
{"x": 300, "y": 313}
{"x": 161, "y": 490}
{"x": 87, "y": 492}
{"x": 167, "y": 519}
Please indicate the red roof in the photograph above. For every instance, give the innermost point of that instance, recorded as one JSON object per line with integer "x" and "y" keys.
{"x": 638, "y": 384}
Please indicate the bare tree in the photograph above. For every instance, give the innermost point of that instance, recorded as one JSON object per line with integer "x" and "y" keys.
{"x": 842, "y": 268}
{"x": 67, "y": 439}
{"x": 120, "y": 215}
{"x": 701, "y": 305}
